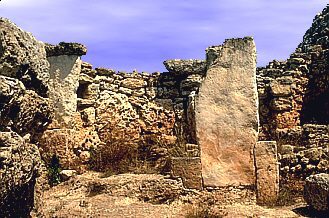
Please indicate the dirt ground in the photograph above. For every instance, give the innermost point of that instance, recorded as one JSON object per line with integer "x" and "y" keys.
{"x": 148, "y": 195}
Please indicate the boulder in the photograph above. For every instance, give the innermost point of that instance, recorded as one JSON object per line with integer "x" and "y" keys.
{"x": 24, "y": 111}
{"x": 316, "y": 191}
{"x": 23, "y": 57}
{"x": 20, "y": 165}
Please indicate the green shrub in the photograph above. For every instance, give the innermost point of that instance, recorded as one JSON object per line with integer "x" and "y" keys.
{"x": 54, "y": 170}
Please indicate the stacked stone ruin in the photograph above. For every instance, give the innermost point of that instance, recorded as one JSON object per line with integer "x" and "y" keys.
{"x": 218, "y": 122}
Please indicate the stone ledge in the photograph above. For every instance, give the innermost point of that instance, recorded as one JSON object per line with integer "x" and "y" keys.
{"x": 185, "y": 67}
{"x": 64, "y": 48}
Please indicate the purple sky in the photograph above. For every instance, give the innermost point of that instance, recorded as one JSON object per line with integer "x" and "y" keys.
{"x": 141, "y": 34}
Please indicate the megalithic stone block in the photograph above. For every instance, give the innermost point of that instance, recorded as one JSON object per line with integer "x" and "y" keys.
{"x": 227, "y": 114}
{"x": 267, "y": 172}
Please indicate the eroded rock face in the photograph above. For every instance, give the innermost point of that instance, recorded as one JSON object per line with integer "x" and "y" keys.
{"x": 316, "y": 191}
{"x": 23, "y": 57}
{"x": 20, "y": 164}
{"x": 24, "y": 111}
{"x": 227, "y": 114}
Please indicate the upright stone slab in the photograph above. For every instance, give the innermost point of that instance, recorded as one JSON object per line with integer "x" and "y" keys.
{"x": 65, "y": 67}
{"x": 227, "y": 114}
{"x": 267, "y": 172}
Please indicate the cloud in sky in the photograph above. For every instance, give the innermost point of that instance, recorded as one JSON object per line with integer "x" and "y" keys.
{"x": 130, "y": 34}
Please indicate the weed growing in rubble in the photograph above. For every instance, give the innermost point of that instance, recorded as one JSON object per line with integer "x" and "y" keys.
{"x": 54, "y": 169}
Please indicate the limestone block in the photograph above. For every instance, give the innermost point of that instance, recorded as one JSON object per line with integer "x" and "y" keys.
{"x": 124, "y": 90}
{"x": 191, "y": 82}
{"x": 26, "y": 112}
{"x": 281, "y": 104}
{"x": 267, "y": 172}
{"x": 63, "y": 86}
{"x": 151, "y": 92}
{"x": 227, "y": 114}
{"x": 104, "y": 72}
{"x": 65, "y": 48}
{"x": 71, "y": 147}
{"x": 133, "y": 83}
{"x": 280, "y": 90}
{"x": 67, "y": 174}
{"x": 316, "y": 191}
{"x": 84, "y": 103}
{"x": 20, "y": 165}
{"x": 138, "y": 92}
{"x": 189, "y": 169}
{"x": 185, "y": 67}
{"x": 92, "y": 91}
{"x": 85, "y": 79}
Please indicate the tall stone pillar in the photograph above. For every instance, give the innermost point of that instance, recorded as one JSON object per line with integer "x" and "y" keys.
{"x": 227, "y": 114}
{"x": 65, "y": 67}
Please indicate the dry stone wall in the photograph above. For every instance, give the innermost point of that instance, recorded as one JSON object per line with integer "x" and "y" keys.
{"x": 51, "y": 100}
{"x": 294, "y": 104}
{"x": 156, "y": 110}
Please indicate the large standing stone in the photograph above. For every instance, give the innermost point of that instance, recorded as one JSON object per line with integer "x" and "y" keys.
{"x": 227, "y": 114}
{"x": 267, "y": 172}
{"x": 64, "y": 82}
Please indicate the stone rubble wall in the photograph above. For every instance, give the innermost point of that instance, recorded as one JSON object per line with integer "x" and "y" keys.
{"x": 51, "y": 100}
{"x": 294, "y": 104}
{"x": 157, "y": 109}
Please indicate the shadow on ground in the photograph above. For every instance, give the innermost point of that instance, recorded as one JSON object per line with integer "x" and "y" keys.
{"x": 307, "y": 211}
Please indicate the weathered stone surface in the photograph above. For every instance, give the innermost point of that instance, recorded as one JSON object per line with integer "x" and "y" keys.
{"x": 69, "y": 147}
{"x": 281, "y": 104}
{"x": 185, "y": 67}
{"x": 280, "y": 90}
{"x": 316, "y": 191}
{"x": 104, "y": 72}
{"x": 64, "y": 82}
{"x": 20, "y": 165}
{"x": 85, "y": 79}
{"x": 192, "y": 82}
{"x": 132, "y": 83}
{"x": 64, "y": 48}
{"x": 9, "y": 88}
{"x": 189, "y": 169}
{"x": 67, "y": 174}
{"x": 267, "y": 172}
{"x": 227, "y": 114}
{"x": 23, "y": 57}
{"x": 22, "y": 110}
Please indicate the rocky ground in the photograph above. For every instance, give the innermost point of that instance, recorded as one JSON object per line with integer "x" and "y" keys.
{"x": 149, "y": 195}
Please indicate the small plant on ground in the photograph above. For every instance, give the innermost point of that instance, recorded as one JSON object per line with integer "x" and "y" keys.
{"x": 54, "y": 170}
